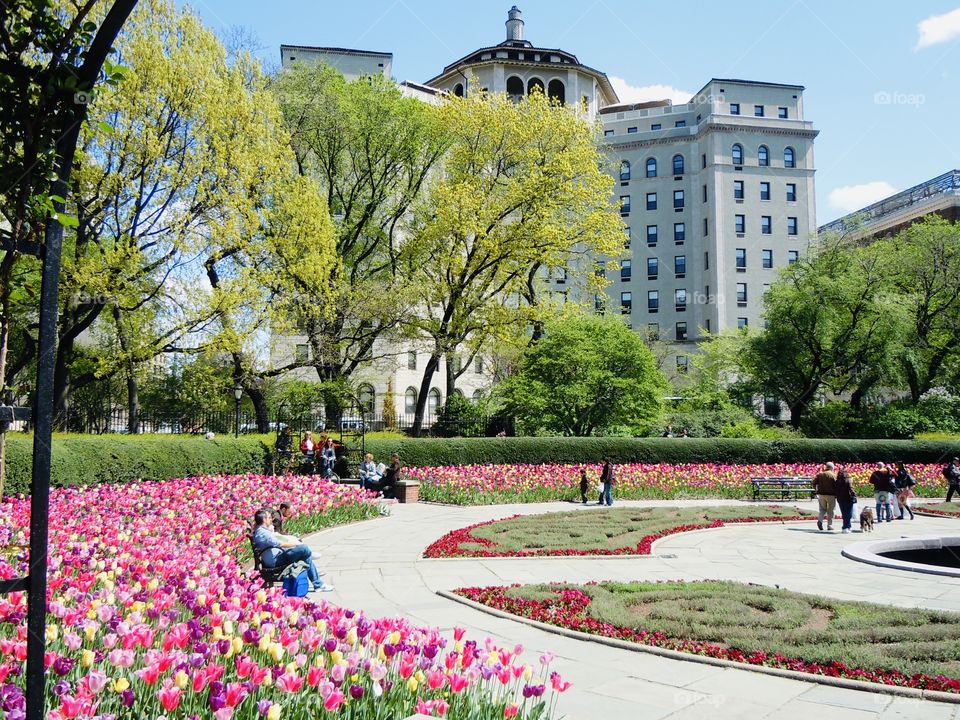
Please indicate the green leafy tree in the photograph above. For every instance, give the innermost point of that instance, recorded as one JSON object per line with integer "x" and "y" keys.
{"x": 586, "y": 374}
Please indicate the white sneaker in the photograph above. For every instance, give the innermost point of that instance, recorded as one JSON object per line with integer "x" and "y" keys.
{"x": 323, "y": 587}
{"x": 845, "y": 531}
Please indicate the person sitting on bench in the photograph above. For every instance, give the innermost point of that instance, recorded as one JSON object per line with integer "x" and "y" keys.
{"x": 370, "y": 473}
{"x": 389, "y": 479}
{"x": 277, "y": 551}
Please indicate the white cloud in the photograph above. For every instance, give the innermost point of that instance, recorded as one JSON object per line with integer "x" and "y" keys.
{"x": 630, "y": 94}
{"x": 938, "y": 29}
{"x": 851, "y": 198}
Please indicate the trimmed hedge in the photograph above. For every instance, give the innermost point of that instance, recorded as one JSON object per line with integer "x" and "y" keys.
{"x": 424, "y": 452}
{"x": 113, "y": 459}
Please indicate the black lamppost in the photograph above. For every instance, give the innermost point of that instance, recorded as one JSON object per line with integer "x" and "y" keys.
{"x": 237, "y": 395}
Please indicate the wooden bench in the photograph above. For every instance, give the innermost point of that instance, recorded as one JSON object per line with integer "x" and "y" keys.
{"x": 268, "y": 575}
{"x": 783, "y": 487}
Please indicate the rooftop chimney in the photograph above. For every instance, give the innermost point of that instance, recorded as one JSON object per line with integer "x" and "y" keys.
{"x": 515, "y": 24}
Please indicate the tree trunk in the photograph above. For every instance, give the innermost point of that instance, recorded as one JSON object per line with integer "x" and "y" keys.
{"x": 61, "y": 384}
{"x": 451, "y": 376}
{"x": 432, "y": 365}
{"x": 133, "y": 395}
{"x": 259, "y": 401}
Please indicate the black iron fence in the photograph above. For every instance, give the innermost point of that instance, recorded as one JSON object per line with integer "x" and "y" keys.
{"x": 117, "y": 420}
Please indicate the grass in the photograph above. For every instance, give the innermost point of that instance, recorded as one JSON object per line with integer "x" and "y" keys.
{"x": 607, "y": 531}
{"x": 746, "y": 619}
{"x": 950, "y": 508}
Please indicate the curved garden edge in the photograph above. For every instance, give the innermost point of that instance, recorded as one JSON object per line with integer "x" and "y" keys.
{"x": 844, "y": 683}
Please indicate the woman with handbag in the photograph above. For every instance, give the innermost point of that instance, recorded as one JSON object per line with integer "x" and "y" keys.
{"x": 905, "y": 483}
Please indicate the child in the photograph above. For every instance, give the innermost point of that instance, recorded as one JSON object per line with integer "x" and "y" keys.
{"x": 584, "y": 485}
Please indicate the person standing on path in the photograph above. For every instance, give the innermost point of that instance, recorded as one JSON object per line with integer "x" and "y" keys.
{"x": 846, "y": 497}
{"x": 825, "y": 484}
{"x": 882, "y": 484}
{"x": 608, "y": 478}
{"x": 952, "y": 473}
{"x": 584, "y": 485}
{"x": 905, "y": 482}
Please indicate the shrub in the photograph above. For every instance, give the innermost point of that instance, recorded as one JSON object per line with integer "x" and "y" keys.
{"x": 117, "y": 459}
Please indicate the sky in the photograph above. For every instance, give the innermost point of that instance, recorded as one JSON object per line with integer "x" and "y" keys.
{"x": 882, "y": 78}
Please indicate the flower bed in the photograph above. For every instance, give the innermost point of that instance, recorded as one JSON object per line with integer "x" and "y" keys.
{"x": 940, "y": 509}
{"x": 151, "y": 613}
{"x": 493, "y": 484}
{"x": 569, "y": 607}
{"x": 452, "y": 544}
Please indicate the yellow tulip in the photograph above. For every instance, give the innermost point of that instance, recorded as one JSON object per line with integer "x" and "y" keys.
{"x": 86, "y": 658}
{"x": 412, "y": 684}
{"x": 274, "y": 712}
{"x": 53, "y": 632}
{"x": 181, "y": 679}
{"x": 121, "y": 684}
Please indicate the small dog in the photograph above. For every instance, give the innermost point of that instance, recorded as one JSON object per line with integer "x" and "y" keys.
{"x": 866, "y": 520}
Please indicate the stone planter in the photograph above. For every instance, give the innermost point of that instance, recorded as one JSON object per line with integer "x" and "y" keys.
{"x": 407, "y": 491}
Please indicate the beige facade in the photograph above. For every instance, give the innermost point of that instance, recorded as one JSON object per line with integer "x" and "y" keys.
{"x": 351, "y": 63}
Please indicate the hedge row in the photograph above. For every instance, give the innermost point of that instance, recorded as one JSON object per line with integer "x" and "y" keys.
{"x": 113, "y": 459}
{"x": 470, "y": 451}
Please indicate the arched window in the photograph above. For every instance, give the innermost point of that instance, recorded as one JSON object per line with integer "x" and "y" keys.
{"x": 763, "y": 156}
{"x": 651, "y": 167}
{"x": 624, "y": 170}
{"x": 557, "y": 91}
{"x": 678, "y": 164}
{"x": 410, "y": 401}
{"x": 534, "y": 85}
{"x": 458, "y": 89}
{"x": 514, "y": 87}
{"x": 736, "y": 154}
{"x": 433, "y": 402}
{"x": 367, "y": 397}
{"x": 789, "y": 160}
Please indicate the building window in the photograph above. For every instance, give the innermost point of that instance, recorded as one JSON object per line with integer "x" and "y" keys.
{"x": 736, "y": 154}
{"x": 791, "y": 192}
{"x": 626, "y": 303}
{"x": 681, "y": 328}
{"x": 680, "y": 123}
{"x": 367, "y": 398}
{"x": 679, "y": 233}
{"x": 458, "y": 90}
{"x": 792, "y": 256}
{"x": 782, "y": 113}
{"x": 515, "y": 88}
{"x": 678, "y": 199}
{"x": 682, "y": 364}
{"x": 656, "y": 126}
{"x": 678, "y": 164}
{"x": 651, "y": 235}
{"x": 653, "y": 268}
{"x": 740, "y": 223}
{"x": 791, "y": 226}
{"x": 651, "y": 167}
{"x": 789, "y": 160}
{"x": 411, "y": 360}
{"x": 734, "y": 108}
{"x": 626, "y": 240}
{"x": 653, "y": 301}
{"x": 703, "y": 160}
{"x": 625, "y": 270}
{"x": 706, "y": 227}
{"x": 562, "y": 276}
{"x": 535, "y": 85}
{"x": 704, "y": 193}
{"x": 624, "y": 171}
{"x": 763, "y": 156}
{"x": 557, "y": 91}
{"x": 706, "y": 325}
{"x": 706, "y": 261}
{"x": 410, "y": 401}
{"x": 653, "y": 331}
{"x": 741, "y": 323}
{"x": 767, "y": 256}
{"x": 764, "y": 191}
{"x": 741, "y": 258}
{"x": 758, "y": 110}
{"x": 608, "y": 133}
{"x": 624, "y": 205}
{"x": 741, "y": 293}
{"x": 766, "y": 225}
{"x": 771, "y": 406}
{"x": 433, "y": 402}
{"x": 738, "y": 189}
{"x": 478, "y": 365}
{"x": 631, "y": 130}
{"x": 302, "y": 353}
{"x": 599, "y": 304}
{"x": 680, "y": 300}
{"x": 680, "y": 265}
{"x": 651, "y": 201}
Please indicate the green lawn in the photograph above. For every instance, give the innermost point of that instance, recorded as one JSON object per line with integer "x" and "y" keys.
{"x": 752, "y": 619}
{"x": 950, "y": 508}
{"x": 608, "y": 528}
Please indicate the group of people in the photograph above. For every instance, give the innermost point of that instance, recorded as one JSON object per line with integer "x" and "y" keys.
{"x": 276, "y": 550}
{"x": 380, "y": 478}
{"x": 669, "y": 433}
{"x": 320, "y": 455}
{"x": 608, "y": 479}
{"x": 891, "y": 485}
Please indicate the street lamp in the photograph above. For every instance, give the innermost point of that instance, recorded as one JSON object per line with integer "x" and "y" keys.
{"x": 237, "y": 395}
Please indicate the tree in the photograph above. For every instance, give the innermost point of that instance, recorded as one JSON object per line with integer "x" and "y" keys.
{"x": 585, "y": 374}
{"x": 521, "y": 188}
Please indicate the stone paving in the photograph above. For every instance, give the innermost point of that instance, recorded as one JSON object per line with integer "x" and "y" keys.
{"x": 377, "y": 566}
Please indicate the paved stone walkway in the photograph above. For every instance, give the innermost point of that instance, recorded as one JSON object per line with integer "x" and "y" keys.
{"x": 377, "y": 566}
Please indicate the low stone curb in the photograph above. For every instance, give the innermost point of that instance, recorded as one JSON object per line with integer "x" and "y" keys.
{"x": 846, "y": 683}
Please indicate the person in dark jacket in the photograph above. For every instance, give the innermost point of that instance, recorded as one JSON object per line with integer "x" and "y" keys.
{"x": 952, "y": 473}
{"x": 608, "y": 478}
{"x": 385, "y": 485}
{"x": 846, "y": 498}
{"x": 584, "y": 485}
{"x": 883, "y": 486}
{"x": 904, "y": 482}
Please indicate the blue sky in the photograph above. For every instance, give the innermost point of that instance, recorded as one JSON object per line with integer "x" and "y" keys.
{"x": 881, "y": 78}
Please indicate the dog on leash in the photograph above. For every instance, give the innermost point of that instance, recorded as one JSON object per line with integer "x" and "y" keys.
{"x": 866, "y": 520}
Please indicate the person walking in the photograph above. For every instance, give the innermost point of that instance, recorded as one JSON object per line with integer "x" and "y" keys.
{"x": 608, "y": 478}
{"x": 584, "y": 485}
{"x": 882, "y": 485}
{"x": 904, "y": 482}
{"x": 952, "y": 473}
{"x": 825, "y": 484}
{"x": 846, "y": 499}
